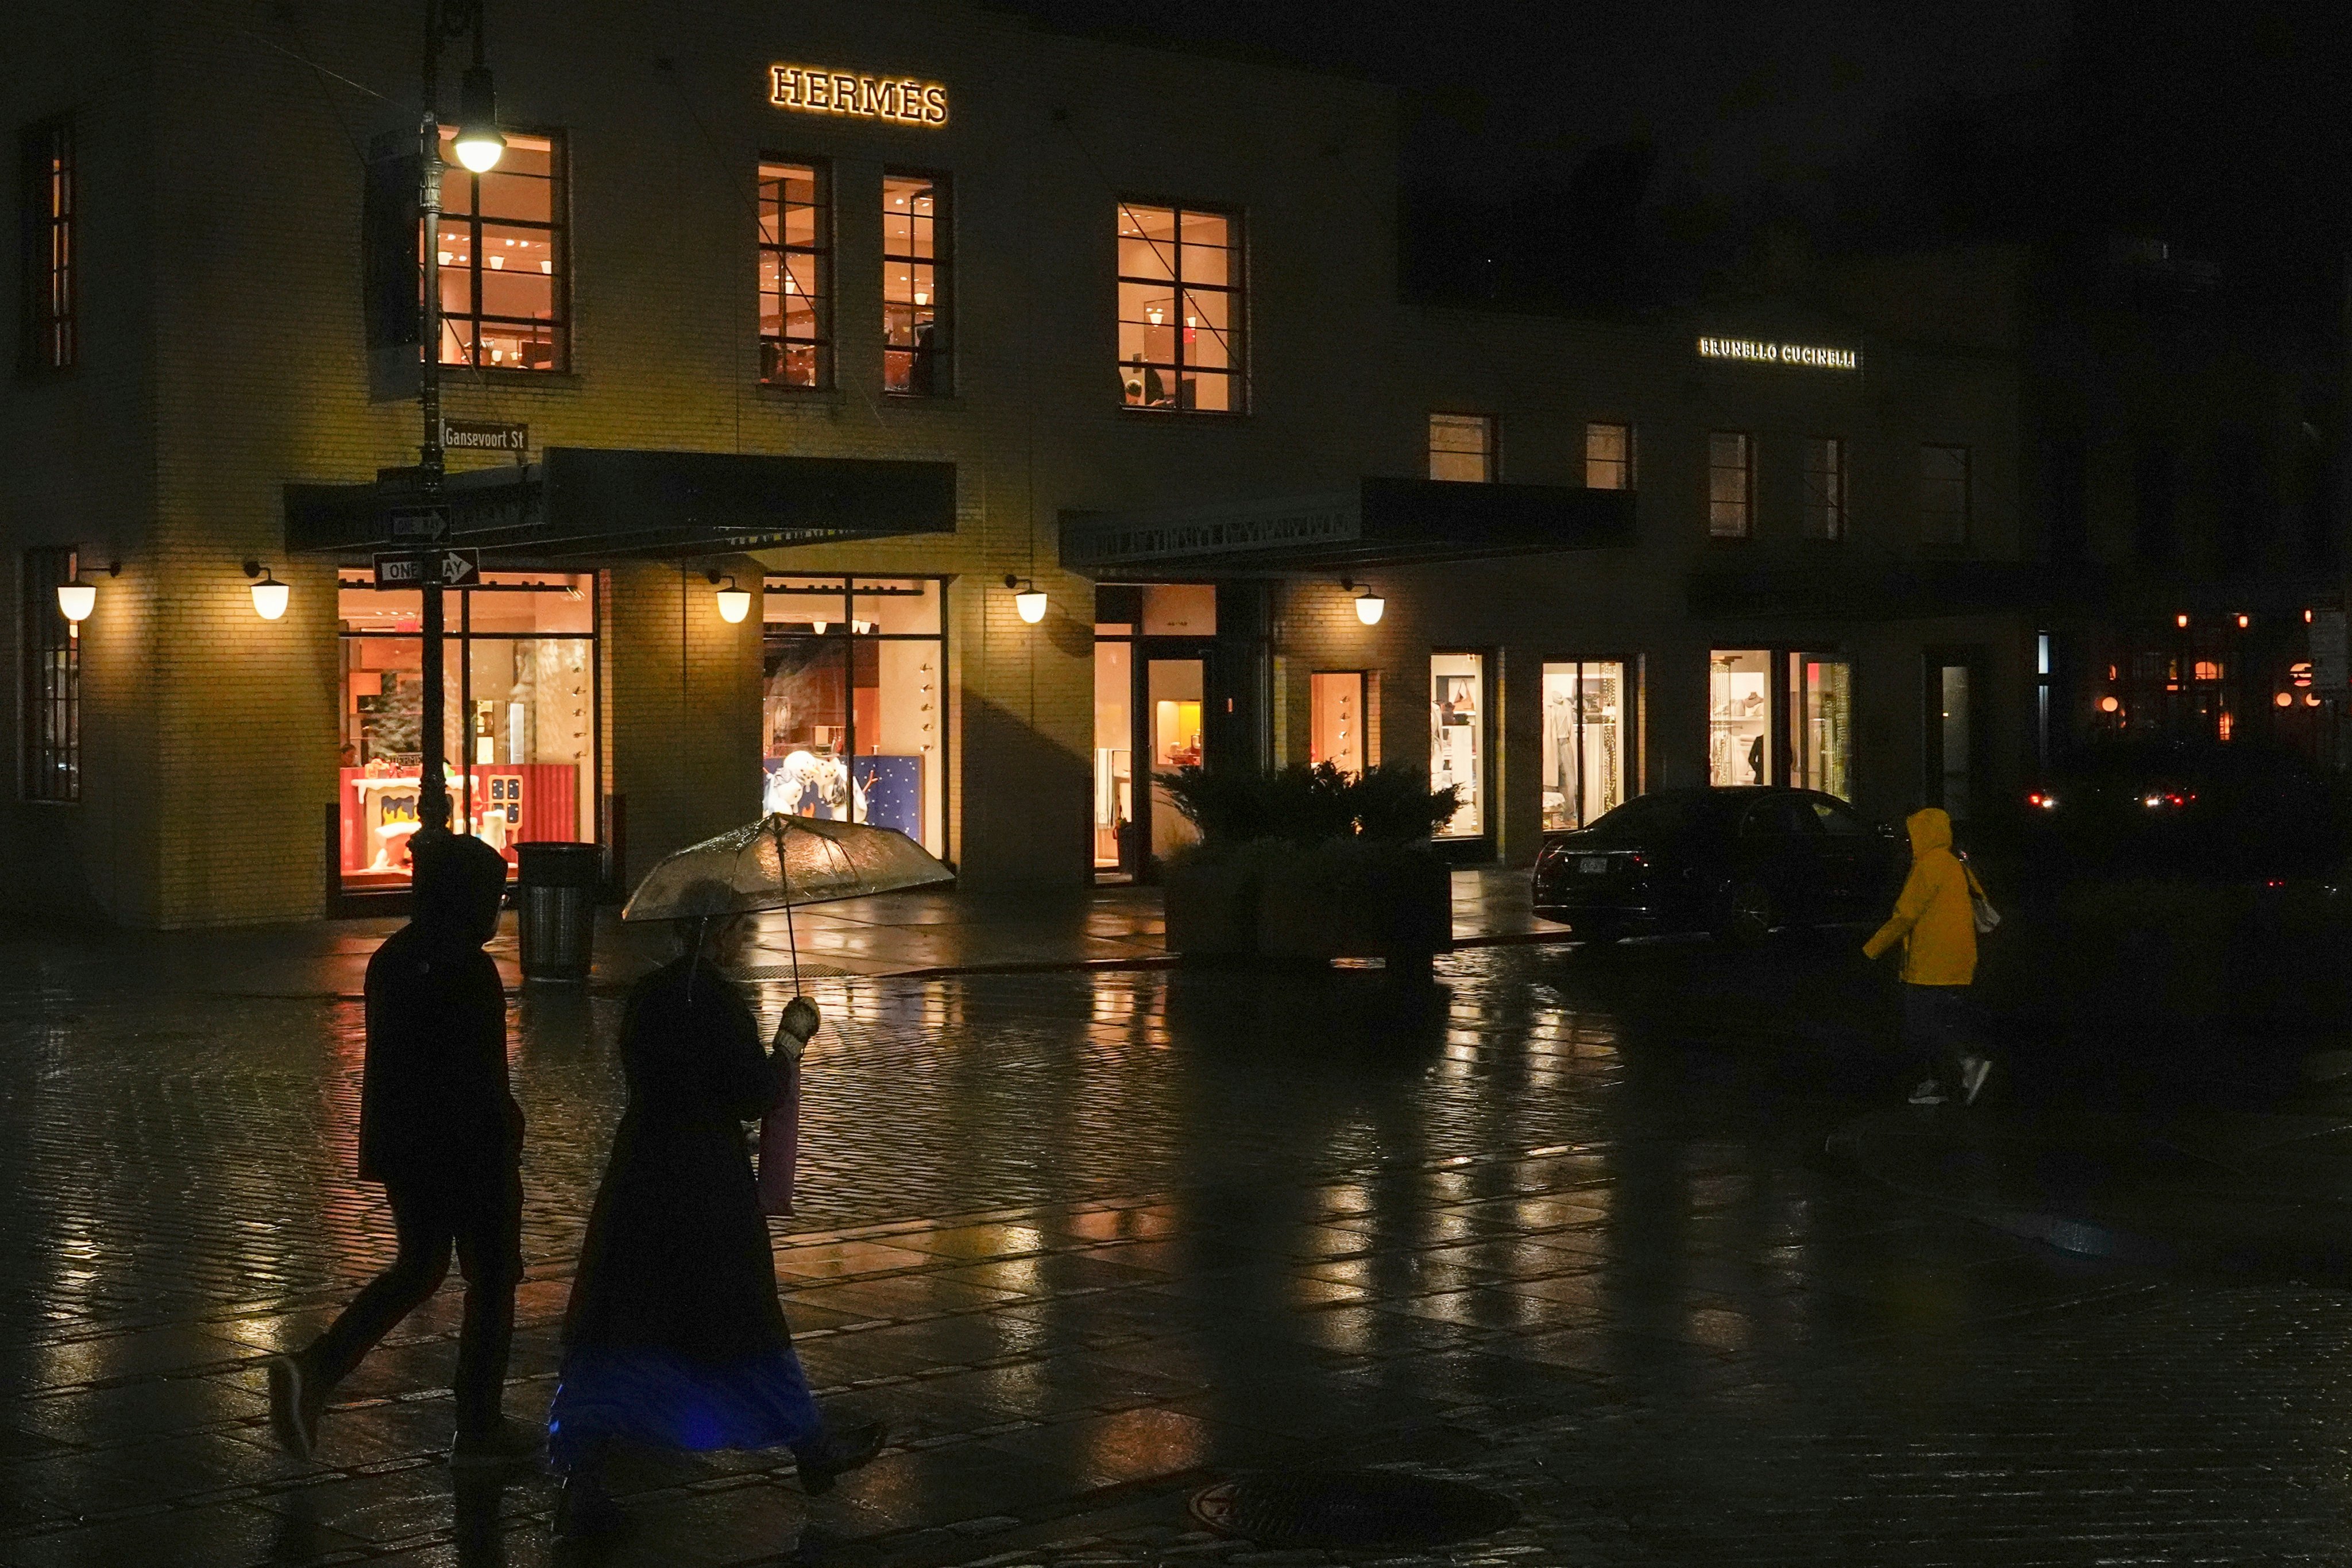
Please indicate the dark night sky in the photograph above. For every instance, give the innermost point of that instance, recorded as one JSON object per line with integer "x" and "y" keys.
{"x": 1734, "y": 95}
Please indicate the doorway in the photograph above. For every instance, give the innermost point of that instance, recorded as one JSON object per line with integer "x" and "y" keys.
{"x": 1156, "y": 690}
{"x": 1953, "y": 699}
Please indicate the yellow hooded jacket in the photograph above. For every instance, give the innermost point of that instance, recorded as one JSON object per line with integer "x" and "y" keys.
{"x": 1933, "y": 916}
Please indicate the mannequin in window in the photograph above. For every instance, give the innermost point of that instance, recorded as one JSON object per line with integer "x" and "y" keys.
{"x": 1756, "y": 759}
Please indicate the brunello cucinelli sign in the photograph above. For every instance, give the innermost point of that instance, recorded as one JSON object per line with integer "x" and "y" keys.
{"x": 1755, "y": 352}
{"x": 819, "y": 90}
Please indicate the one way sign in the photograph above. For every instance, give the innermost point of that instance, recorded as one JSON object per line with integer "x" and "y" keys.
{"x": 426, "y": 568}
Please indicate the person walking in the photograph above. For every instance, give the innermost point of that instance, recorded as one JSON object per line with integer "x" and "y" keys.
{"x": 1935, "y": 919}
{"x": 674, "y": 1337}
{"x": 439, "y": 1128}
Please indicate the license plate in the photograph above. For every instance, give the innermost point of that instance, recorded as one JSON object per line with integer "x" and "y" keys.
{"x": 1593, "y": 864}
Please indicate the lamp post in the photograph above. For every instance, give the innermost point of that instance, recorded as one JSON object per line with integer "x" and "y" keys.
{"x": 478, "y": 146}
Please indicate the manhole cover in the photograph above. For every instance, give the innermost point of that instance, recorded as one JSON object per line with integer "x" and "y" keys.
{"x": 1351, "y": 1508}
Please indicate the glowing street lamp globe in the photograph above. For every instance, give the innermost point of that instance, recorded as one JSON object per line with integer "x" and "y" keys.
{"x": 479, "y": 144}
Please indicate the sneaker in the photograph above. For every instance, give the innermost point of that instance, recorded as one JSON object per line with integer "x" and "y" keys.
{"x": 840, "y": 1453}
{"x": 296, "y": 1400}
{"x": 510, "y": 1442}
{"x": 1929, "y": 1092}
{"x": 584, "y": 1510}
{"x": 1973, "y": 1073}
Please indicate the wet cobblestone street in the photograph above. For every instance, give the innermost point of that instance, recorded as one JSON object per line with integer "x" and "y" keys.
{"x": 1089, "y": 1241}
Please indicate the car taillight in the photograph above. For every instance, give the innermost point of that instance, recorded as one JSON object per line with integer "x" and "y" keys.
{"x": 2046, "y": 802}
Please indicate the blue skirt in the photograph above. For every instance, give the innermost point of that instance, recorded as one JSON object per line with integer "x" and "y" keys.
{"x": 662, "y": 1400}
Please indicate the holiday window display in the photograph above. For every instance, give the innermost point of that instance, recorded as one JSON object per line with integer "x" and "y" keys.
{"x": 1584, "y": 742}
{"x": 1457, "y": 739}
{"x": 1739, "y": 716}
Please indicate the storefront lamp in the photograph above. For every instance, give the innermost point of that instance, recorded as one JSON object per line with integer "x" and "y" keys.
{"x": 76, "y": 599}
{"x": 2181, "y": 621}
{"x": 1369, "y": 606}
{"x": 480, "y": 145}
{"x": 734, "y": 602}
{"x": 1027, "y": 598}
{"x": 269, "y": 593}
{"x": 2244, "y": 621}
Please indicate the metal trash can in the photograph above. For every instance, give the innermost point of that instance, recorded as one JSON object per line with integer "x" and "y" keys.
{"x": 555, "y": 910}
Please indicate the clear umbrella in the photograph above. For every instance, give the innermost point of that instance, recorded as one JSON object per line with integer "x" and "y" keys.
{"x": 778, "y": 863}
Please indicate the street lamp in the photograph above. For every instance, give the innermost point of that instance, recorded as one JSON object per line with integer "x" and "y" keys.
{"x": 478, "y": 145}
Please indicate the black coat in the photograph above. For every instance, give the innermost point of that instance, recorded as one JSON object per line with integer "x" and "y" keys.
{"x": 676, "y": 1256}
{"x": 434, "y": 1105}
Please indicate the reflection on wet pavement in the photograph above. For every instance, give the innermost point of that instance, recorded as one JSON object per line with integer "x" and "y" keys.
{"x": 1083, "y": 1238}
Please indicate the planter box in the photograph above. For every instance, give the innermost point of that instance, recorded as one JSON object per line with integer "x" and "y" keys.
{"x": 1211, "y": 904}
{"x": 1358, "y": 900}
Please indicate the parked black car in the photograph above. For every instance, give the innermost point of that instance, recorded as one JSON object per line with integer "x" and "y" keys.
{"x": 2159, "y": 808}
{"x": 1735, "y": 862}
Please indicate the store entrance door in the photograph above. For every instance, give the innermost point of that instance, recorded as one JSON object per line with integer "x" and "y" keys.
{"x": 1954, "y": 699}
{"x": 1173, "y": 712}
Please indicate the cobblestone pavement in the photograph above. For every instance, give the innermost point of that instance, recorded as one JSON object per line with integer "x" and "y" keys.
{"x": 1089, "y": 1241}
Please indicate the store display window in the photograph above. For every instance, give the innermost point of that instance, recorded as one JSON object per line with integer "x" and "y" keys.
{"x": 1339, "y": 726}
{"x": 1821, "y": 731}
{"x": 1739, "y": 716}
{"x": 520, "y": 701}
{"x": 1588, "y": 742}
{"x": 853, "y": 702}
{"x": 1458, "y": 739}
{"x": 1114, "y": 814}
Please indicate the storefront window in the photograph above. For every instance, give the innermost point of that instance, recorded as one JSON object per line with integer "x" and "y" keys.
{"x": 1739, "y": 716}
{"x": 1173, "y": 688}
{"x": 914, "y": 280}
{"x": 1457, "y": 739}
{"x": 520, "y": 704}
{"x": 853, "y": 703}
{"x": 1180, "y": 317}
{"x": 1114, "y": 744}
{"x": 1821, "y": 708}
{"x": 1588, "y": 740}
{"x": 502, "y": 257}
{"x": 1339, "y": 728}
{"x": 796, "y": 276}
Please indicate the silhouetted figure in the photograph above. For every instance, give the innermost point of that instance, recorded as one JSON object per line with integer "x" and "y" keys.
{"x": 674, "y": 1337}
{"x": 1935, "y": 919}
{"x": 439, "y": 1128}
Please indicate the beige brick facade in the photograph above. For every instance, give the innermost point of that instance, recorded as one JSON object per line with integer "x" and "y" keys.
{"x": 223, "y": 358}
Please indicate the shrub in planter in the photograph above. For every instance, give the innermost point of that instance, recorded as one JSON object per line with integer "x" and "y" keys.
{"x": 1309, "y": 864}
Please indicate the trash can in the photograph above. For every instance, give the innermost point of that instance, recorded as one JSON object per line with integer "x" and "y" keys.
{"x": 555, "y": 910}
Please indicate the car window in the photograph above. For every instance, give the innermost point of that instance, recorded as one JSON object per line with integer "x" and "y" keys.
{"x": 1781, "y": 814}
{"x": 1836, "y": 817}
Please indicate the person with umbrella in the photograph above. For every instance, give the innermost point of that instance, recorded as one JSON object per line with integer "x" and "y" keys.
{"x": 674, "y": 1337}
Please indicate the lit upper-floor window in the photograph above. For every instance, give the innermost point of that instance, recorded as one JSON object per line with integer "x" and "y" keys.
{"x": 502, "y": 257}
{"x": 1462, "y": 446}
{"x": 1825, "y": 469}
{"x": 796, "y": 275}
{"x": 1730, "y": 484}
{"x": 917, "y": 275}
{"x": 1608, "y": 457}
{"x": 1179, "y": 308}
{"x": 45, "y": 156}
{"x": 1943, "y": 495}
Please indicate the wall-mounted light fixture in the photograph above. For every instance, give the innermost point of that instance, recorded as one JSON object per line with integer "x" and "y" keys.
{"x": 269, "y": 593}
{"x": 76, "y": 599}
{"x": 1027, "y": 598}
{"x": 734, "y": 602}
{"x": 1369, "y": 606}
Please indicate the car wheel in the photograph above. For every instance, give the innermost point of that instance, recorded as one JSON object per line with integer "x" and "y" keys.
{"x": 1745, "y": 917}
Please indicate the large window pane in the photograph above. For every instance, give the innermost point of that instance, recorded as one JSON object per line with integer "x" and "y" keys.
{"x": 1458, "y": 739}
{"x": 1587, "y": 742}
{"x": 915, "y": 279}
{"x": 796, "y": 276}
{"x": 1821, "y": 708}
{"x": 1114, "y": 814}
{"x": 854, "y": 710}
{"x": 1824, "y": 487}
{"x": 519, "y": 709}
{"x": 1730, "y": 484}
{"x": 502, "y": 232}
{"x": 1739, "y": 716}
{"x": 1462, "y": 448}
{"x": 1179, "y": 308}
{"x": 1608, "y": 457}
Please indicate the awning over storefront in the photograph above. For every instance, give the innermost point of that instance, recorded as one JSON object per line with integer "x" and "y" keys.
{"x": 1378, "y": 523}
{"x": 596, "y": 502}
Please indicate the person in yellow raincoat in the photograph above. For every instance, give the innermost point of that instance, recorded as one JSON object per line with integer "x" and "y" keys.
{"x": 1935, "y": 919}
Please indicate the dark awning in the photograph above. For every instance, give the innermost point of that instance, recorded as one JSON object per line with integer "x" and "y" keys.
{"x": 595, "y": 501}
{"x": 1378, "y": 523}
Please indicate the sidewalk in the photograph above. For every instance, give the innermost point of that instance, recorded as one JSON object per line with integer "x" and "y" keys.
{"x": 2234, "y": 1191}
{"x": 921, "y": 934}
